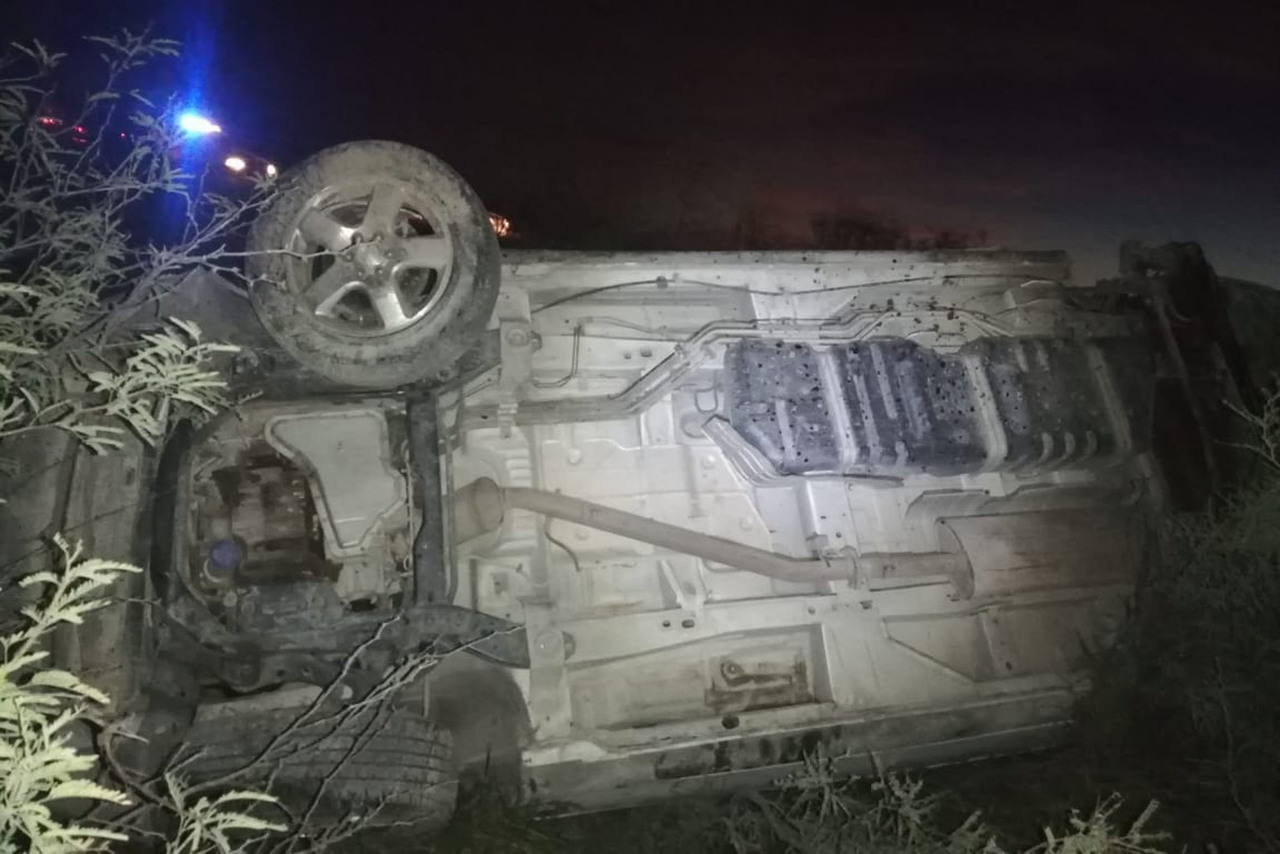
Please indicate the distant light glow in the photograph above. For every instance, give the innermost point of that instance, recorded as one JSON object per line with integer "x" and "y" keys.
{"x": 235, "y": 163}
{"x": 49, "y": 121}
{"x": 272, "y": 171}
{"x": 501, "y": 225}
{"x": 198, "y": 124}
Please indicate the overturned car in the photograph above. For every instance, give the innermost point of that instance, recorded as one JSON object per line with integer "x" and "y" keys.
{"x": 625, "y": 525}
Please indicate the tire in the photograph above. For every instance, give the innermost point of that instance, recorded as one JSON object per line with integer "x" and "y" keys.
{"x": 430, "y": 347}
{"x": 394, "y": 770}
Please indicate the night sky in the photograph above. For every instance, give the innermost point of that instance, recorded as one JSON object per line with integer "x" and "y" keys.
{"x": 1074, "y": 128}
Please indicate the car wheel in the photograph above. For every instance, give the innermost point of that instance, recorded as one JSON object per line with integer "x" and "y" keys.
{"x": 383, "y": 770}
{"x": 375, "y": 265}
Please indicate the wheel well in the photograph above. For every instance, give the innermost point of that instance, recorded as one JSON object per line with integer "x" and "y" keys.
{"x": 483, "y": 709}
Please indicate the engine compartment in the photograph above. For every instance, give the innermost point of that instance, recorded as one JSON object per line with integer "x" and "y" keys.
{"x": 299, "y": 516}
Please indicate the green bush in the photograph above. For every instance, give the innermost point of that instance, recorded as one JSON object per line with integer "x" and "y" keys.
{"x": 41, "y": 708}
{"x": 812, "y": 812}
{"x": 72, "y": 275}
{"x": 73, "y": 272}
{"x": 1194, "y": 689}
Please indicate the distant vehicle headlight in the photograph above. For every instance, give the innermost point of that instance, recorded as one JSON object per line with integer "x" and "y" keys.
{"x": 235, "y": 163}
{"x": 194, "y": 123}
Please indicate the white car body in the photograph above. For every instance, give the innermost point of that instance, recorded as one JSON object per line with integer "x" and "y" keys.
{"x": 873, "y": 506}
{"x": 654, "y": 671}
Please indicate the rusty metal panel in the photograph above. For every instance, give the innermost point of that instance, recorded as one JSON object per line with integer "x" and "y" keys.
{"x": 1049, "y": 402}
{"x": 780, "y": 405}
{"x": 917, "y": 409}
{"x": 895, "y": 407}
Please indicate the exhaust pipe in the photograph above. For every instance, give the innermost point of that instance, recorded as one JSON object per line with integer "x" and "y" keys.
{"x": 480, "y": 507}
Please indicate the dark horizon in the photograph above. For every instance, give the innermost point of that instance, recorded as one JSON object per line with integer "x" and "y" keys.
{"x": 1066, "y": 129}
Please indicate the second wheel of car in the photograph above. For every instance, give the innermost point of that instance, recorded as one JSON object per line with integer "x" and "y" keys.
{"x": 375, "y": 265}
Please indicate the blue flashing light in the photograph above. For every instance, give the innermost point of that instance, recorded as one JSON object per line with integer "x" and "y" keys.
{"x": 194, "y": 123}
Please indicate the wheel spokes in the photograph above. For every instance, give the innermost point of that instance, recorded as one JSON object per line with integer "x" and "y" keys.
{"x": 386, "y": 256}
{"x": 318, "y": 227}
{"x": 381, "y": 215}
{"x": 388, "y": 304}
{"x": 328, "y": 289}
{"x": 428, "y": 252}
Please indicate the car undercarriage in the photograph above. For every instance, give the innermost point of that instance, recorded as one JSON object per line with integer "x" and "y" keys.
{"x": 649, "y": 523}
{"x": 755, "y": 502}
